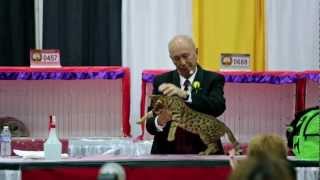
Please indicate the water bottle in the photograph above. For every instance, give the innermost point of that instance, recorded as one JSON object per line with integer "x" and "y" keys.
{"x": 52, "y": 146}
{"x": 5, "y": 142}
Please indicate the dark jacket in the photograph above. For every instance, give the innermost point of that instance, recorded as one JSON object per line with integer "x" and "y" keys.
{"x": 208, "y": 99}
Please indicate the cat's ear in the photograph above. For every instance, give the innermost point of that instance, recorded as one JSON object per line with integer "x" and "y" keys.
{"x": 152, "y": 99}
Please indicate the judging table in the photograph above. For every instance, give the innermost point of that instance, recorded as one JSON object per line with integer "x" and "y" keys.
{"x": 70, "y": 92}
{"x": 139, "y": 167}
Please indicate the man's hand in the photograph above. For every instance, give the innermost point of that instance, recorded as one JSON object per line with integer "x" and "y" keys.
{"x": 164, "y": 116}
{"x": 169, "y": 89}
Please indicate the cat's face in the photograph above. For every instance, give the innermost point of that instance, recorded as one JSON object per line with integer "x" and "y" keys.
{"x": 157, "y": 102}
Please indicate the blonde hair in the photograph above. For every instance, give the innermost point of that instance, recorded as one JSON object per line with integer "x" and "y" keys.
{"x": 257, "y": 168}
{"x": 267, "y": 144}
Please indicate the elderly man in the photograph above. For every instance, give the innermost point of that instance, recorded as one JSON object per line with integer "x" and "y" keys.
{"x": 202, "y": 91}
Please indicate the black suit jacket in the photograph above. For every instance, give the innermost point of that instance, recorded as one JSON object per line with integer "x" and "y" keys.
{"x": 208, "y": 99}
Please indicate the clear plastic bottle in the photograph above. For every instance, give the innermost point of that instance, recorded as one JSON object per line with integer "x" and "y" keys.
{"x": 52, "y": 146}
{"x": 5, "y": 142}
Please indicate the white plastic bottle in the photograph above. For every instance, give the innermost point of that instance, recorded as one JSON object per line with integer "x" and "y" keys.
{"x": 5, "y": 142}
{"x": 52, "y": 146}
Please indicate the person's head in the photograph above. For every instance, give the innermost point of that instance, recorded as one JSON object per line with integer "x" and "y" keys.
{"x": 184, "y": 54}
{"x": 262, "y": 168}
{"x": 271, "y": 144}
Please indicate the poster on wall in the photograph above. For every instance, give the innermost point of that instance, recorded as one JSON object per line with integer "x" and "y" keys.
{"x": 235, "y": 62}
{"x": 44, "y": 58}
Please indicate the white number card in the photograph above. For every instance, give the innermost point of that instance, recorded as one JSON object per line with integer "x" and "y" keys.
{"x": 45, "y": 58}
{"x": 235, "y": 62}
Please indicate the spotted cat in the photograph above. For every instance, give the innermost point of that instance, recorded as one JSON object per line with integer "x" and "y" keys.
{"x": 206, "y": 126}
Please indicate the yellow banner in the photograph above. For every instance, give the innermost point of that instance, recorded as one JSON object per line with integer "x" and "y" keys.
{"x": 229, "y": 26}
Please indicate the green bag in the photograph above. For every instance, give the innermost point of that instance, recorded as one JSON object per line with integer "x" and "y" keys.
{"x": 306, "y": 139}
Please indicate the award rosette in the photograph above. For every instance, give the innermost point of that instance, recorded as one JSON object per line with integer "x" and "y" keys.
{"x": 44, "y": 58}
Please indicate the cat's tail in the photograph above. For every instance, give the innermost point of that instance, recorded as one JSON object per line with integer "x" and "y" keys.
{"x": 234, "y": 141}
